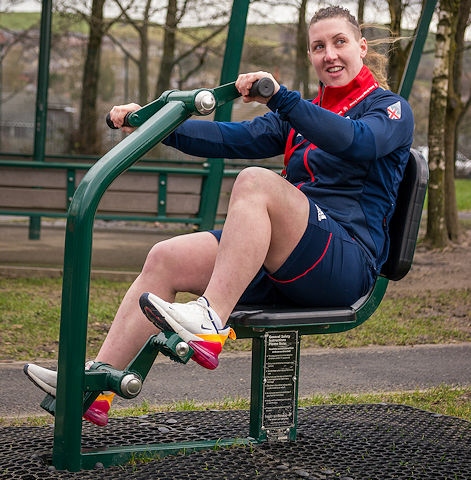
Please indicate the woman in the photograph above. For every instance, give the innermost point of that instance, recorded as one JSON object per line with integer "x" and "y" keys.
{"x": 316, "y": 236}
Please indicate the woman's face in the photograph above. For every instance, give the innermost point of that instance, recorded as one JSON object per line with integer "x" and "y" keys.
{"x": 336, "y": 51}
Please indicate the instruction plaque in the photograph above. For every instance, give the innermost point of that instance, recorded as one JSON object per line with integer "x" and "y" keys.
{"x": 279, "y": 383}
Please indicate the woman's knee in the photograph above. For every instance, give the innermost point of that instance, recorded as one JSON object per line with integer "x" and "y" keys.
{"x": 179, "y": 258}
{"x": 256, "y": 180}
{"x": 158, "y": 256}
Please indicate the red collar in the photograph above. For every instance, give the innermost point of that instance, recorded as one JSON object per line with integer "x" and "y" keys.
{"x": 338, "y": 100}
{"x": 341, "y": 99}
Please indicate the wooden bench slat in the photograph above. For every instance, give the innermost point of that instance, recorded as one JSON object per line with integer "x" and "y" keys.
{"x": 33, "y": 198}
{"x": 146, "y": 203}
{"x": 30, "y": 177}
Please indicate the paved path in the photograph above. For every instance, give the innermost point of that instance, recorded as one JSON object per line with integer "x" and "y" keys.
{"x": 351, "y": 370}
{"x": 20, "y": 256}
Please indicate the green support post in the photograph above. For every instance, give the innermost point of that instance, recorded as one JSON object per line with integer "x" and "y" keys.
{"x": 287, "y": 406}
{"x": 410, "y": 70}
{"x": 40, "y": 123}
{"x": 233, "y": 53}
{"x": 211, "y": 188}
{"x": 210, "y": 192}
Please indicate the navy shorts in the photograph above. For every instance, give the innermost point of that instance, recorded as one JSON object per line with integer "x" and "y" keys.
{"x": 328, "y": 268}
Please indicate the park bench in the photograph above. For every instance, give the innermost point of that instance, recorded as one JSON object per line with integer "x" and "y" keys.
{"x": 150, "y": 191}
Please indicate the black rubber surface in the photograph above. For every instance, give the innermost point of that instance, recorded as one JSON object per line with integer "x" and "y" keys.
{"x": 334, "y": 442}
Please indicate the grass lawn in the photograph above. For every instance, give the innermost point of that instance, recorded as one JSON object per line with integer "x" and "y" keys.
{"x": 463, "y": 194}
{"x": 444, "y": 400}
{"x": 30, "y": 313}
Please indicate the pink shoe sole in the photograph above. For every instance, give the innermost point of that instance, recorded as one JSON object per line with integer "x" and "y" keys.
{"x": 98, "y": 413}
{"x": 206, "y": 353}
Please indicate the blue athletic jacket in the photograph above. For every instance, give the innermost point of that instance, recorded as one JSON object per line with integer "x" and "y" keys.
{"x": 350, "y": 163}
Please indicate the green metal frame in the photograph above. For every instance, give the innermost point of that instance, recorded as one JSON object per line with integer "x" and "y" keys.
{"x": 73, "y": 382}
{"x": 156, "y": 121}
{"x": 41, "y": 101}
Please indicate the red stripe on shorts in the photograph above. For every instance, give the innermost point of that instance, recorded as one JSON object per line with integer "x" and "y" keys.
{"x": 310, "y": 268}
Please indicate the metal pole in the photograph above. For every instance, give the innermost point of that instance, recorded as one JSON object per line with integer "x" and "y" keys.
{"x": 2, "y": 46}
{"x": 408, "y": 77}
{"x": 230, "y": 69}
{"x": 233, "y": 53}
{"x": 40, "y": 123}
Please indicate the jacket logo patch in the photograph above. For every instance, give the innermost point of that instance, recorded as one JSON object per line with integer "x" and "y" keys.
{"x": 320, "y": 214}
{"x": 394, "y": 111}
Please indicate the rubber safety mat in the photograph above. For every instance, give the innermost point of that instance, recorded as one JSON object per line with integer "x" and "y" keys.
{"x": 359, "y": 442}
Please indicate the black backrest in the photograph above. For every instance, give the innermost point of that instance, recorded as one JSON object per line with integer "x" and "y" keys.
{"x": 405, "y": 222}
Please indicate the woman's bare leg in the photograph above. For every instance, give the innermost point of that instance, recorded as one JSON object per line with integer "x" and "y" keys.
{"x": 266, "y": 219}
{"x": 180, "y": 264}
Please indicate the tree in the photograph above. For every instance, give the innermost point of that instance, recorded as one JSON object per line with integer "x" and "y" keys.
{"x": 141, "y": 26}
{"x": 447, "y": 109}
{"x": 437, "y": 235}
{"x": 168, "y": 50}
{"x": 301, "y": 80}
{"x": 87, "y": 135}
{"x": 455, "y": 111}
{"x": 173, "y": 54}
{"x": 170, "y": 58}
{"x": 401, "y": 48}
{"x": 361, "y": 11}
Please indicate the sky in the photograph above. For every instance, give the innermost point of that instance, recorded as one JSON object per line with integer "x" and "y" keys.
{"x": 376, "y": 12}
{"x": 269, "y": 13}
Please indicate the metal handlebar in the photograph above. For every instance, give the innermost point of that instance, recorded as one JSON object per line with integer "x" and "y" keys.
{"x": 197, "y": 102}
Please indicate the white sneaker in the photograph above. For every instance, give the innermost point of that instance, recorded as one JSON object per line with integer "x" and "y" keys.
{"x": 46, "y": 380}
{"x": 194, "y": 322}
{"x": 42, "y": 377}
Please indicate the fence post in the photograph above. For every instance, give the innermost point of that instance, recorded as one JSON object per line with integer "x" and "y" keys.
{"x": 40, "y": 123}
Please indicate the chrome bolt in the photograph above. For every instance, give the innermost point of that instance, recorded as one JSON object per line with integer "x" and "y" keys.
{"x": 205, "y": 102}
{"x": 130, "y": 385}
{"x": 182, "y": 349}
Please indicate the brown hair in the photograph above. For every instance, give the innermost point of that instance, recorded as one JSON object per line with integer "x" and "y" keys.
{"x": 374, "y": 60}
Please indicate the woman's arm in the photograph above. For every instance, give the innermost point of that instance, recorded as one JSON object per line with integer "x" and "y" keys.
{"x": 262, "y": 137}
{"x": 374, "y": 134}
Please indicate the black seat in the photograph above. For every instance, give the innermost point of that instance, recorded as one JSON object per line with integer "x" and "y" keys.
{"x": 404, "y": 229}
{"x": 405, "y": 223}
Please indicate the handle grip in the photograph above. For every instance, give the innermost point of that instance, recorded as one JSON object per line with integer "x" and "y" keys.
{"x": 113, "y": 126}
{"x": 264, "y": 87}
